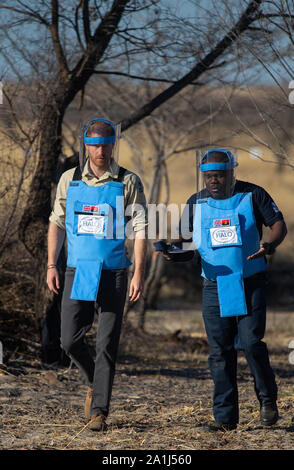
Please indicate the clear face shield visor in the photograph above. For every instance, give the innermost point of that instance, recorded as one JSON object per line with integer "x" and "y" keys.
{"x": 215, "y": 172}
{"x": 94, "y": 140}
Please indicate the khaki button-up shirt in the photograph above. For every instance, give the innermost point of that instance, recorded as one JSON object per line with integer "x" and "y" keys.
{"x": 134, "y": 198}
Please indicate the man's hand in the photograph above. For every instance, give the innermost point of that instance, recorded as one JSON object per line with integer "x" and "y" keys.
{"x": 166, "y": 255}
{"x": 265, "y": 249}
{"x": 55, "y": 241}
{"x": 136, "y": 287}
{"x": 277, "y": 235}
{"x": 161, "y": 247}
{"x": 137, "y": 282}
{"x": 53, "y": 280}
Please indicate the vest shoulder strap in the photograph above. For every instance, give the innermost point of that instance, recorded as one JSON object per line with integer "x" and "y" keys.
{"x": 121, "y": 174}
{"x": 77, "y": 174}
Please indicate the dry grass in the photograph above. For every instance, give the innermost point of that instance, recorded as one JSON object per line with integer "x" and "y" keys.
{"x": 162, "y": 394}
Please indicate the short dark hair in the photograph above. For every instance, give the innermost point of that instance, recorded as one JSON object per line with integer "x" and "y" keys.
{"x": 100, "y": 127}
{"x": 221, "y": 157}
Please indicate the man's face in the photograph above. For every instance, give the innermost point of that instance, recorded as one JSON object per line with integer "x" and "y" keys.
{"x": 100, "y": 155}
{"x": 219, "y": 183}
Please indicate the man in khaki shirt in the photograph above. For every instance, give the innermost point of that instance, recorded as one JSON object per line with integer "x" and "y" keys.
{"x": 134, "y": 198}
{"x": 77, "y": 315}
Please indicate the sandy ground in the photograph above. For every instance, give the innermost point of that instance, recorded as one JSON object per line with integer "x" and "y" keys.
{"x": 162, "y": 394}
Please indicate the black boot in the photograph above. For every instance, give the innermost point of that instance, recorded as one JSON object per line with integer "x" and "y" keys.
{"x": 269, "y": 413}
{"x": 216, "y": 426}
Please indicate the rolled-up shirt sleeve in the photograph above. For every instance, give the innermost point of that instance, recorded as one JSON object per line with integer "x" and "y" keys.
{"x": 135, "y": 202}
{"x": 57, "y": 215}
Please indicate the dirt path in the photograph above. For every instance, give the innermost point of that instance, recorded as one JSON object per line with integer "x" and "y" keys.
{"x": 161, "y": 397}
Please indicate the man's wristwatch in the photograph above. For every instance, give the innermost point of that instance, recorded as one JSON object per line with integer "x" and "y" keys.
{"x": 269, "y": 248}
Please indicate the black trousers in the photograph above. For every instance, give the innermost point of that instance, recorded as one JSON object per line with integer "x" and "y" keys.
{"x": 249, "y": 331}
{"x": 76, "y": 320}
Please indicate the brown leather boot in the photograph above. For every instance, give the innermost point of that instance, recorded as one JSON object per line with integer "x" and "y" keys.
{"x": 88, "y": 402}
{"x": 97, "y": 422}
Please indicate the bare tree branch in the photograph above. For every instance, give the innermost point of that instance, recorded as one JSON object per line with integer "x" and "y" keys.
{"x": 54, "y": 29}
{"x": 87, "y": 32}
{"x": 31, "y": 14}
{"x": 248, "y": 17}
{"x": 76, "y": 27}
{"x": 138, "y": 77}
{"x": 103, "y": 34}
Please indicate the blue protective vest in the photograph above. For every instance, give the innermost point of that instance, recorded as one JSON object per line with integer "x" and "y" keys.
{"x": 225, "y": 234}
{"x": 95, "y": 228}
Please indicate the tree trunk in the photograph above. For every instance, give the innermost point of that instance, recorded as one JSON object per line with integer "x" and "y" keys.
{"x": 157, "y": 282}
{"x": 156, "y": 267}
{"x": 34, "y": 223}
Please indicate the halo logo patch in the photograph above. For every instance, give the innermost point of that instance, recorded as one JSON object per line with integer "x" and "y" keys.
{"x": 221, "y": 236}
{"x": 93, "y": 224}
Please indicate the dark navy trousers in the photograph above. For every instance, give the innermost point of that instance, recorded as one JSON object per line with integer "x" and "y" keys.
{"x": 228, "y": 334}
{"x": 76, "y": 320}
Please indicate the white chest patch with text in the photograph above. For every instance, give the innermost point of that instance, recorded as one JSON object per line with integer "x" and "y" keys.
{"x": 223, "y": 235}
{"x": 93, "y": 224}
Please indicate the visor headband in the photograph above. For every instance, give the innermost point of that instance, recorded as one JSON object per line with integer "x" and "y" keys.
{"x": 229, "y": 165}
{"x": 100, "y": 140}
{"x": 218, "y": 166}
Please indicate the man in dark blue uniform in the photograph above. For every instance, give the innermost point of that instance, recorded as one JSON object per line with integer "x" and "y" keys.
{"x": 249, "y": 328}
{"x": 226, "y": 218}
